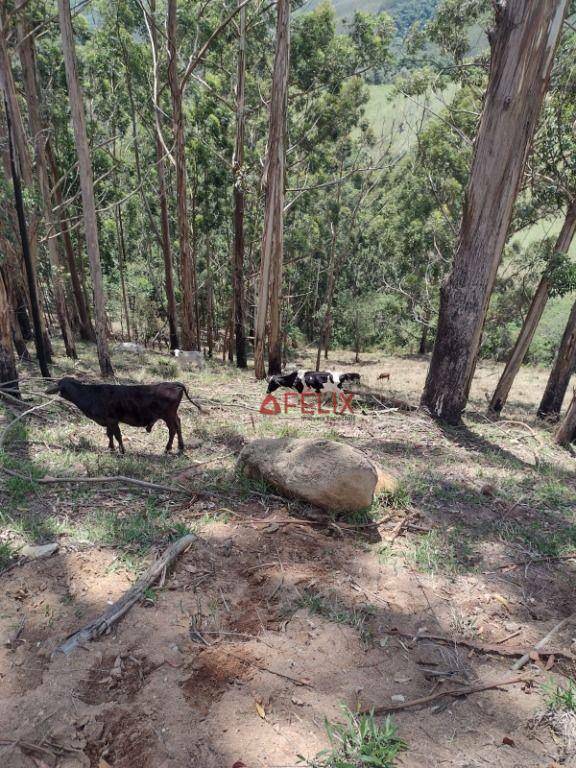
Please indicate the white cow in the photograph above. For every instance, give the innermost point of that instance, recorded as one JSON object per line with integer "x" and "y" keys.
{"x": 190, "y": 358}
{"x": 131, "y": 346}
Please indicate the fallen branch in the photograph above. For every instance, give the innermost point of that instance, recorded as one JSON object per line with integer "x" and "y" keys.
{"x": 534, "y": 561}
{"x": 11, "y": 398}
{"x": 495, "y": 648}
{"x": 404, "y": 523}
{"x": 542, "y": 643}
{"x": 105, "y": 621}
{"x": 456, "y": 692}
{"x": 368, "y": 396}
{"x": 262, "y": 668}
{"x": 20, "y": 416}
{"x": 222, "y": 404}
{"x": 48, "y": 480}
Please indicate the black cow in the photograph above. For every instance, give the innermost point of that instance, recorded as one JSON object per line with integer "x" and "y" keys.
{"x": 139, "y": 405}
{"x": 312, "y": 381}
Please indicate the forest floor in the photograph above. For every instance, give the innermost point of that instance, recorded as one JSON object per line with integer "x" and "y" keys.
{"x": 279, "y": 614}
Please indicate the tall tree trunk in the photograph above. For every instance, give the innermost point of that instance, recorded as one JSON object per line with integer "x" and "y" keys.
{"x": 209, "y": 303}
{"x": 566, "y": 432}
{"x": 166, "y": 247}
{"x": 28, "y": 63}
{"x": 531, "y": 320}
{"x": 326, "y": 327}
{"x": 189, "y": 331}
{"x": 86, "y": 186}
{"x": 422, "y": 346}
{"x": 164, "y": 216}
{"x": 10, "y": 274}
{"x": 20, "y": 145}
{"x": 523, "y": 46}
{"x": 239, "y": 196}
{"x": 269, "y": 296}
{"x": 86, "y": 327}
{"x": 121, "y": 267}
{"x": 26, "y": 255}
{"x": 8, "y": 370}
{"x": 562, "y": 370}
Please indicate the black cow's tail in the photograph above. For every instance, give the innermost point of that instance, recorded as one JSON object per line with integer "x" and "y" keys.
{"x": 200, "y": 407}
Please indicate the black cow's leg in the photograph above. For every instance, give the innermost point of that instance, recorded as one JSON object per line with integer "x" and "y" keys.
{"x": 179, "y": 431}
{"x": 118, "y": 436}
{"x": 110, "y": 433}
{"x": 171, "y": 433}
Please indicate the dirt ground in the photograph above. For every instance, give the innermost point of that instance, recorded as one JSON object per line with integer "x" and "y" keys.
{"x": 278, "y": 614}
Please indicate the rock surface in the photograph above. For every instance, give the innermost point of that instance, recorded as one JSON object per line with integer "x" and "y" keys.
{"x": 330, "y": 475}
{"x": 36, "y": 552}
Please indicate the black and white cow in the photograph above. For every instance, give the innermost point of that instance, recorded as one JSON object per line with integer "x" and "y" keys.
{"x": 312, "y": 381}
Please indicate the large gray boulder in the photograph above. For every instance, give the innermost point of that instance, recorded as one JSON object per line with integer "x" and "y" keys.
{"x": 330, "y": 475}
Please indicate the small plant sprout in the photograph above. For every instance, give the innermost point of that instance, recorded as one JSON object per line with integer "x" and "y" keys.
{"x": 359, "y": 741}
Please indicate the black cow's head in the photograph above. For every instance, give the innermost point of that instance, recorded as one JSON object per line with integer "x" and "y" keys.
{"x": 350, "y": 377}
{"x": 275, "y": 382}
{"x": 62, "y": 387}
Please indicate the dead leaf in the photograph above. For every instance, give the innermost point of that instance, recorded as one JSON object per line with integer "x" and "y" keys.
{"x": 508, "y": 741}
{"x": 502, "y": 600}
{"x": 260, "y": 710}
{"x": 534, "y": 656}
{"x": 550, "y": 662}
{"x": 40, "y": 763}
{"x": 103, "y": 763}
{"x": 239, "y": 764}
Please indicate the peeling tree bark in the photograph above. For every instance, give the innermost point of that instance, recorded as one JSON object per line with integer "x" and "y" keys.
{"x": 562, "y": 370}
{"x": 24, "y": 163}
{"x": 239, "y": 196}
{"x": 86, "y": 327}
{"x": 269, "y": 297}
{"x": 523, "y": 47}
{"x": 41, "y": 351}
{"x": 8, "y": 371}
{"x": 28, "y": 63}
{"x": 188, "y": 315}
{"x": 566, "y": 432}
{"x": 531, "y": 320}
{"x": 86, "y": 186}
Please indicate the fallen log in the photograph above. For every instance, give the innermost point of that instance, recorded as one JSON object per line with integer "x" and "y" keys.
{"x": 115, "y": 612}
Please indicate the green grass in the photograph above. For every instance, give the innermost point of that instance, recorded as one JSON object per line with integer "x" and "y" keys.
{"x": 560, "y": 698}
{"x": 447, "y": 552}
{"x": 359, "y": 741}
{"x": 137, "y": 530}
{"x": 391, "y": 114}
{"x": 538, "y": 537}
{"x": 7, "y": 553}
{"x": 331, "y": 607}
{"x": 165, "y": 369}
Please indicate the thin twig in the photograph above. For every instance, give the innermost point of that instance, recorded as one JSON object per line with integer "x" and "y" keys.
{"x": 20, "y": 416}
{"x": 495, "y": 648}
{"x": 542, "y": 643}
{"x": 104, "y": 479}
{"x": 456, "y": 692}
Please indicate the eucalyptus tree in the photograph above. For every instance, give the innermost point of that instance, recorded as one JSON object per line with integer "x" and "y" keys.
{"x": 523, "y": 45}
{"x": 86, "y": 185}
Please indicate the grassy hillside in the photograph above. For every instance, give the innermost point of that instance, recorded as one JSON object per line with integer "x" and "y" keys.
{"x": 404, "y": 12}
{"x": 401, "y": 116}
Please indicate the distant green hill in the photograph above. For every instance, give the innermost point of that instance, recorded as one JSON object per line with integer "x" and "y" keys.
{"x": 404, "y": 12}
